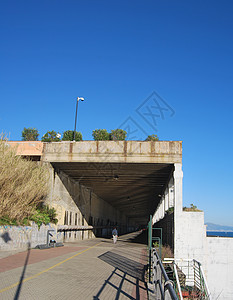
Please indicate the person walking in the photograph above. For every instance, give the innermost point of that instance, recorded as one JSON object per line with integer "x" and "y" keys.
{"x": 114, "y": 235}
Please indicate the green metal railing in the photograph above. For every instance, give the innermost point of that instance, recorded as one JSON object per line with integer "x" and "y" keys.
{"x": 154, "y": 242}
{"x": 194, "y": 283}
{"x": 162, "y": 285}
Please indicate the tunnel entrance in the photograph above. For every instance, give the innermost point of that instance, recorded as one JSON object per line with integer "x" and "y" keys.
{"x": 108, "y": 183}
{"x": 132, "y": 188}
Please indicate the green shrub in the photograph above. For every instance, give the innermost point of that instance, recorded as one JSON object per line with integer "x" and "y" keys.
{"x": 191, "y": 208}
{"x": 100, "y": 135}
{"x": 118, "y": 135}
{"x": 44, "y": 215}
{"x": 68, "y": 135}
{"x": 5, "y": 220}
{"x": 39, "y": 218}
{"x": 51, "y": 136}
{"x": 30, "y": 134}
{"x": 152, "y": 137}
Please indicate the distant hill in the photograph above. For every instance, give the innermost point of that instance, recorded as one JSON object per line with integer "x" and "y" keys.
{"x": 215, "y": 227}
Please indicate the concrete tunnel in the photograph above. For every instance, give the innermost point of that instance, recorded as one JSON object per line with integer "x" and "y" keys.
{"x": 100, "y": 184}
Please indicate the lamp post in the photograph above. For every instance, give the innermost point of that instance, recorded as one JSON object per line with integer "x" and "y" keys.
{"x": 82, "y": 99}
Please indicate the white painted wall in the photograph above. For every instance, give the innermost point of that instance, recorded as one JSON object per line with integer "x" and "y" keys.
{"x": 190, "y": 242}
{"x": 190, "y": 236}
{"x": 219, "y": 259}
{"x": 214, "y": 253}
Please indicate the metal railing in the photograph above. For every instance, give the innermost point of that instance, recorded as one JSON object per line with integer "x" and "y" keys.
{"x": 163, "y": 287}
{"x": 200, "y": 280}
{"x": 195, "y": 283}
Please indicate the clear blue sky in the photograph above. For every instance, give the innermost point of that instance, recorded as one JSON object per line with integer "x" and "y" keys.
{"x": 115, "y": 54}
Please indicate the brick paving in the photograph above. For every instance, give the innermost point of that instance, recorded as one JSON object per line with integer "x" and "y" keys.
{"x": 91, "y": 269}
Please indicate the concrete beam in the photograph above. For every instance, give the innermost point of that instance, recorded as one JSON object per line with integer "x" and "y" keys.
{"x": 27, "y": 148}
{"x": 114, "y": 151}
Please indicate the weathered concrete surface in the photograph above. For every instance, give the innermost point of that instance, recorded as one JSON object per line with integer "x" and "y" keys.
{"x": 27, "y": 148}
{"x": 77, "y": 205}
{"x": 102, "y": 151}
{"x": 114, "y": 151}
{"x": 190, "y": 236}
{"x": 219, "y": 257}
{"x": 18, "y": 237}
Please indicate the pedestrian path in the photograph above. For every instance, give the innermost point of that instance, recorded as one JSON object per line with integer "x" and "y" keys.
{"x": 93, "y": 269}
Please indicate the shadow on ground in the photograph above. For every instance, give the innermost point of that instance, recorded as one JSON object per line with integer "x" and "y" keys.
{"x": 128, "y": 274}
{"x": 139, "y": 237}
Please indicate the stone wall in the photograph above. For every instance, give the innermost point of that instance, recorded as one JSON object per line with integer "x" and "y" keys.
{"x": 19, "y": 237}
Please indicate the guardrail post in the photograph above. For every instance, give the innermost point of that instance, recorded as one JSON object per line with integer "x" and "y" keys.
{"x": 163, "y": 287}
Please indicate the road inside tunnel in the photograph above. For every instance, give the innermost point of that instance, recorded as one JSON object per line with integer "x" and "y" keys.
{"x": 134, "y": 189}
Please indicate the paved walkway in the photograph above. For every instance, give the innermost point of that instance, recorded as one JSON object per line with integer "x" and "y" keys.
{"x": 92, "y": 269}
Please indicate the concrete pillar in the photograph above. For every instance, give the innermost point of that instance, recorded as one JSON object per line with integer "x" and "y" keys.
{"x": 171, "y": 192}
{"x": 178, "y": 207}
{"x": 166, "y": 200}
{"x": 178, "y": 182}
{"x": 160, "y": 213}
{"x": 162, "y": 206}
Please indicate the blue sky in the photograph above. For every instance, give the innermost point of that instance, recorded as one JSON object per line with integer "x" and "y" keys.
{"x": 116, "y": 54}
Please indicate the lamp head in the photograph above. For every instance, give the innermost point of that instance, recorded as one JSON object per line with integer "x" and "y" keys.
{"x": 80, "y": 98}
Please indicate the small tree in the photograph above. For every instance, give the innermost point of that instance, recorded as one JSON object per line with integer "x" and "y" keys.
{"x": 118, "y": 135}
{"x": 30, "y": 134}
{"x": 152, "y": 137}
{"x": 100, "y": 135}
{"x": 51, "y": 136}
{"x": 68, "y": 135}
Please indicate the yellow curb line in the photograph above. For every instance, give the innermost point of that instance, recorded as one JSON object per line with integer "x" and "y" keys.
{"x": 46, "y": 270}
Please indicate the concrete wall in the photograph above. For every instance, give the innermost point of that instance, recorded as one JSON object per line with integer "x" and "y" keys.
{"x": 190, "y": 236}
{"x": 214, "y": 253}
{"x": 77, "y": 205}
{"x": 18, "y": 237}
{"x": 27, "y": 148}
{"x": 219, "y": 259}
{"x": 190, "y": 241}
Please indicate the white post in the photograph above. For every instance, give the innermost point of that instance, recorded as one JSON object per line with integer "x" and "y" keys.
{"x": 166, "y": 200}
{"x": 162, "y": 205}
{"x": 178, "y": 179}
{"x": 171, "y": 193}
{"x": 178, "y": 207}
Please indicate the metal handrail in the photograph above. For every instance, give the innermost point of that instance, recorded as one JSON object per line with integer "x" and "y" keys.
{"x": 201, "y": 281}
{"x": 194, "y": 276}
{"x": 178, "y": 283}
{"x": 163, "y": 286}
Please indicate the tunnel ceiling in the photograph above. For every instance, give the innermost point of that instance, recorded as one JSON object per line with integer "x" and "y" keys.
{"x": 133, "y": 188}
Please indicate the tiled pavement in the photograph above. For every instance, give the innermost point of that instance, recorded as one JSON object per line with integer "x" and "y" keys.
{"x": 91, "y": 269}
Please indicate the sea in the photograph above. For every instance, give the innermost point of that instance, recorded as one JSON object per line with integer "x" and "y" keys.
{"x": 220, "y": 233}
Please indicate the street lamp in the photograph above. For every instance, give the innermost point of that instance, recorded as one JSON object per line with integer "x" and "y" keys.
{"x": 82, "y": 99}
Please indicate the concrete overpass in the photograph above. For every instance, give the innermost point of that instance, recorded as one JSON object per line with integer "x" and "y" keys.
{"x": 130, "y": 176}
{"x": 98, "y": 184}
{"x": 109, "y": 182}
